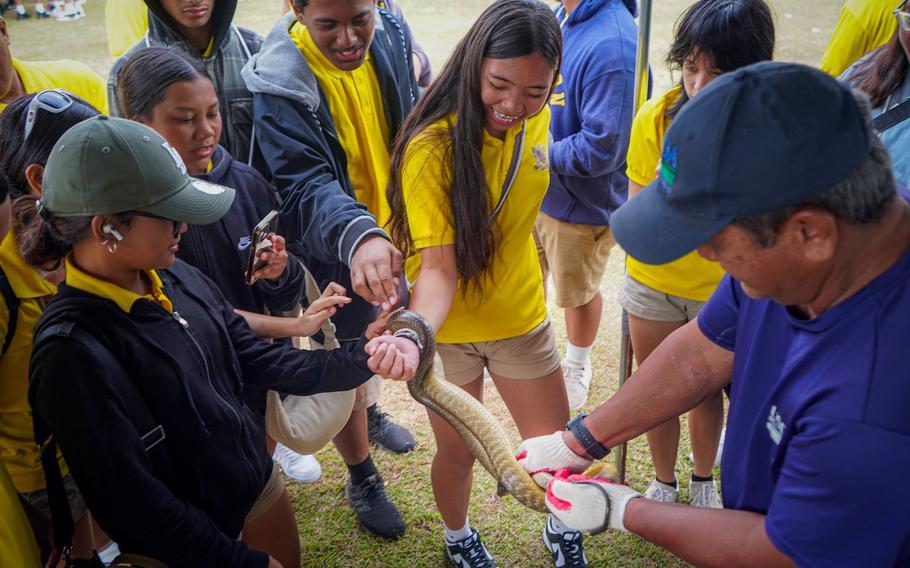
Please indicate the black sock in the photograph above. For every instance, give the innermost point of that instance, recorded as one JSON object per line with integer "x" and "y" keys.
{"x": 699, "y": 478}
{"x": 672, "y": 484}
{"x": 363, "y": 470}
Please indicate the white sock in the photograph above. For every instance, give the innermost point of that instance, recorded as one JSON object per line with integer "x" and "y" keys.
{"x": 461, "y": 534}
{"x": 578, "y": 356}
{"x": 559, "y": 527}
{"x": 20, "y": 9}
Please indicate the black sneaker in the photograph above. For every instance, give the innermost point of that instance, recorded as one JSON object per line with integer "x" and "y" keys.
{"x": 386, "y": 434}
{"x": 374, "y": 509}
{"x": 469, "y": 553}
{"x": 567, "y": 548}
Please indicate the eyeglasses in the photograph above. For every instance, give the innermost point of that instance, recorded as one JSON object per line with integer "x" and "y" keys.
{"x": 53, "y": 101}
{"x": 177, "y": 224}
{"x": 903, "y": 17}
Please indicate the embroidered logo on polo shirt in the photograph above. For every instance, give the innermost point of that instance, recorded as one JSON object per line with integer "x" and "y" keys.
{"x": 541, "y": 159}
{"x": 667, "y": 167}
{"x": 775, "y": 425}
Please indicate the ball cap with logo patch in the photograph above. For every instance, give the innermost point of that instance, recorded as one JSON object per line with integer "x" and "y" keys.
{"x": 105, "y": 166}
{"x": 755, "y": 140}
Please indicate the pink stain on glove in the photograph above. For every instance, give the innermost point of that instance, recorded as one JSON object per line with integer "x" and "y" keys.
{"x": 564, "y": 476}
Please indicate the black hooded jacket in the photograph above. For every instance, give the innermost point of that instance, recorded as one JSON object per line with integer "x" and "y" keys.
{"x": 184, "y": 500}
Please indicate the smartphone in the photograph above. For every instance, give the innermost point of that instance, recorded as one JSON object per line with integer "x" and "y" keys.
{"x": 259, "y": 242}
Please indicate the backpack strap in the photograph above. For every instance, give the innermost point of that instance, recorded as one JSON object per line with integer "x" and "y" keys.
{"x": 12, "y": 305}
{"x": 892, "y": 117}
{"x": 135, "y": 407}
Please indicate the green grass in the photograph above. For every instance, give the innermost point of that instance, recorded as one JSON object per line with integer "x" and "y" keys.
{"x": 329, "y": 532}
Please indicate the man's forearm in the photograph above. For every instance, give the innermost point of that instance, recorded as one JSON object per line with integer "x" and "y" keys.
{"x": 679, "y": 374}
{"x": 705, "y": 537}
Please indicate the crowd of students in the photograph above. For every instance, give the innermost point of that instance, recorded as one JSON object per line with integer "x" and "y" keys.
{"x": 137, "y": 352}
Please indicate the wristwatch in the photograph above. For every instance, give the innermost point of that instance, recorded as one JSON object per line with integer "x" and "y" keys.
{"x": 592, "y": 447}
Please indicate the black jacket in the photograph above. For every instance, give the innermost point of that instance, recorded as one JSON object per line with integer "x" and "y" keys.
{"x": 191, "y": 378}
{"x": 296, "y": 134}
{"x": 220, "y": 250}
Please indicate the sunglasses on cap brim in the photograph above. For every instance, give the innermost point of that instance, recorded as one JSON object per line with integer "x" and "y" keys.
{"x": 53, "y": 101}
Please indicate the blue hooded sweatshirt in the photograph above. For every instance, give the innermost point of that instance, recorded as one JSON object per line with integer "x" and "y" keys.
{"x": 592, "y": 110}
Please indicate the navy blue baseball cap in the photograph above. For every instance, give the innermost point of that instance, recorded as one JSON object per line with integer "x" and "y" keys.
{"x": 755, "y": 140}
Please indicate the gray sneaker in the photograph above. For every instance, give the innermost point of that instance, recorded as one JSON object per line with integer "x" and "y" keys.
{"x": 703, "y": 494}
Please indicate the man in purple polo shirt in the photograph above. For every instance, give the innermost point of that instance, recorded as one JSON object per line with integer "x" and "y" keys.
{"x": 774, "y": 172}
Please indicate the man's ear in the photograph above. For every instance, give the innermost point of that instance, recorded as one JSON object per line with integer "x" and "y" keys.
{"x": 34, "y": 175}
{"x": 817, "y": 233}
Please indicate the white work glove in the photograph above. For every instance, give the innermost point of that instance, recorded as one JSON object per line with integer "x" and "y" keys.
{"x": 543, "y": 456}
{"x": 588, "y": 504}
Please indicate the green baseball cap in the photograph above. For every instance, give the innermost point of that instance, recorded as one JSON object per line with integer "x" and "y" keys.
{"x": 105, "y": 166}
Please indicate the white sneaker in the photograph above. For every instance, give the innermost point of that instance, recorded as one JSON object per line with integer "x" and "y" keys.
{"x": 578, "y": 380}
{"x": 662, "y": 492}
{"x": 703, "y": 494}
{"x": 300, "y": 467}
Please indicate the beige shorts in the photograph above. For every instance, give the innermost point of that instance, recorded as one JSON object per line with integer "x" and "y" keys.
{"x": 366, "y": 394}
{"x": 529, "y": 356}
{"x": 576, "y": 255}
{"x": 272, "y": 491}
{"x": 38, "y": 500}
{"x": 647, "y": 303}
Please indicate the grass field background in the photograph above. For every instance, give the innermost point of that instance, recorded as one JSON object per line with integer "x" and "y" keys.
{"x": 330, "y": 535}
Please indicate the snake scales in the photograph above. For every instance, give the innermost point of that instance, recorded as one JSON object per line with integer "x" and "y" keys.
{"x": 475, "y": 424}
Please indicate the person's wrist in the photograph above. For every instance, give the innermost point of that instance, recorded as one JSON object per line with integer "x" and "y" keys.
{"x": 410, "y": 334}
{"x": 569, "y": 440}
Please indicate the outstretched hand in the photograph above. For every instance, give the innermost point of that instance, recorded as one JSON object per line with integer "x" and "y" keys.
{"x": 393, "y": 357}
{"x": 376, "y": 271}
{"x": 272, "y": 261}
{"x": 332, "y": 299}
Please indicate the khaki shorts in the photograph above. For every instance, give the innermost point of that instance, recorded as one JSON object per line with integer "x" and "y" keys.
{"x": 366, "y": 394}
{"x": 272, "y": 491}
{"x": 647, "y": 303}
{"x": 576, "y": 255}
{"x": 529, "y": 356}
{"x": 38, "y": 500}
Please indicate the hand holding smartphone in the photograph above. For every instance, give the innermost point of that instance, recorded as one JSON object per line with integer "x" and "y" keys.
{"x": 259, "y": 242}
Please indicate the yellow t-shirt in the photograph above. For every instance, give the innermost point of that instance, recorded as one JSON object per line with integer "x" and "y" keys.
{"x": 17, "y": 542}
{"x": 512, "y": 302}
{"x": 81, "y": 280}
{"x": 17, "y": 437}
{"x": 125, "y": 21}
{"x": 863, "y": 26}
{"x": 72, "y": 76}
{"x": 355, "y": 102}
{"x": 691, "y": 276}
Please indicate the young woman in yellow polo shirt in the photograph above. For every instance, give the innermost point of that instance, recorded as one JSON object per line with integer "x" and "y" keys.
{"x": 711, "y": 37}
{"x": 22, "y": 159}
{"x": 466, "y": 227}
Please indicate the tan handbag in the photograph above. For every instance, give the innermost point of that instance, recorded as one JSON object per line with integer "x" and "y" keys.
{"x": 307, "y": 423}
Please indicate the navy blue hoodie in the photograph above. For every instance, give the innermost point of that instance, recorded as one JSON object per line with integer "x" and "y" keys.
{"x": 220, "y": 249}
{"x": 592, "y": 110}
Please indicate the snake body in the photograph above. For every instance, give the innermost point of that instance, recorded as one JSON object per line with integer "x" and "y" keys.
{"x": 479, "y": 429}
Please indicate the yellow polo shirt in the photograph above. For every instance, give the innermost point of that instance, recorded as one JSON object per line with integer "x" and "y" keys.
{"x": 125, "y": 21}
{"x": 691, "y": 277}
{"x": 355, "y": 102}
{"x": 511, "y": 303}
{"x": 863, "y": 26}
{"x": 81, "y": 280}
{"x": 17, "y": 437}
{"x": 17, "y": 542}
{"x": 72, "y": 76}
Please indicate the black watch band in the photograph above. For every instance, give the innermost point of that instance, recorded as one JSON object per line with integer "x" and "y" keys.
{"x": 592, "y": 447}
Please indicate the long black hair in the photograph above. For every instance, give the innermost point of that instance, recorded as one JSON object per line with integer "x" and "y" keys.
{"x": 732, "y": 33}
{"x": 144, "y": 79}
{"x": 881, "y": 72}
{"x": 506, "y": 29}
{"x": 17, "y": 153}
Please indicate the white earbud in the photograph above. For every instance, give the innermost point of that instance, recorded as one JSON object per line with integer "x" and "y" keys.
{"x": 110, "y": 230}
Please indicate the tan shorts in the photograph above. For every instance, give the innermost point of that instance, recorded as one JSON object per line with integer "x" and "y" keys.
{"x": 38, "y": 500}
{"x": 576, "y": 255}
{"x": 650, "y": 304}
{"x": 272, "y": 491}
{"x": 366, "y": 394}
{"x": 529, "y": 356}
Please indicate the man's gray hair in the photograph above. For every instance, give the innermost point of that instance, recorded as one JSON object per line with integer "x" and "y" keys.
{"x": 860, "y": 198}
